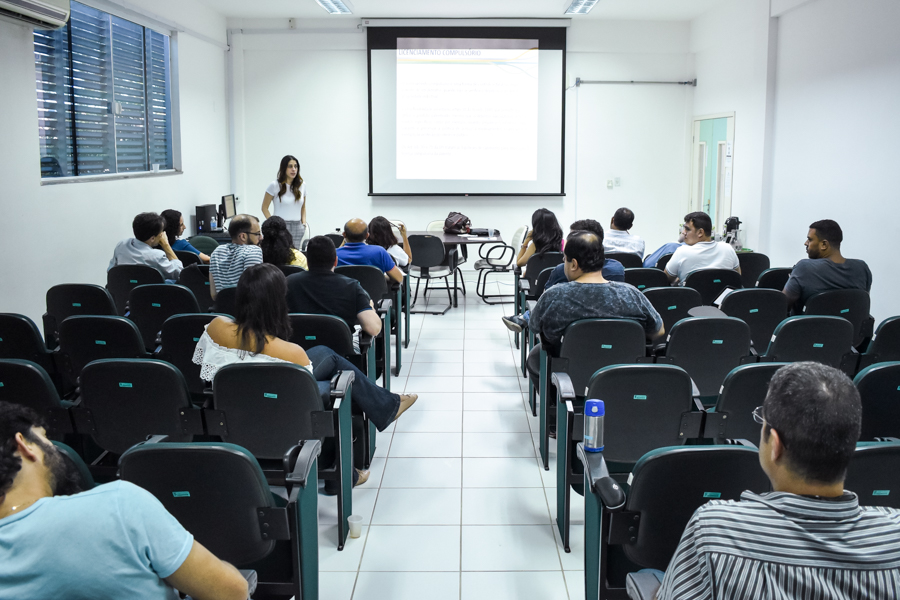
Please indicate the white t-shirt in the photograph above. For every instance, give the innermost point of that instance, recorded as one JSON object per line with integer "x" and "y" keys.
{"x": 702, "y": 255}
{"x": 286, "y": 207}
{"x": 398, "y": 255}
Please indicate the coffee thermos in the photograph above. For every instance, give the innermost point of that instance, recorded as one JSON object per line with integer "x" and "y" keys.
{"x": 594, "y": 412}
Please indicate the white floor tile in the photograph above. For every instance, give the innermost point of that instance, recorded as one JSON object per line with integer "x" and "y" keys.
{"x": 503, "y": 506}
{"x": 488, "y": 334}
{"x": 491, "y": 369}
{"x": 437, "y": 401}
{"x": 573, "y": 560}
{"x": 483, "y": 356}
{"x": 495, "y": 421}
{"x": 426, "y": 421}
{"x": 508, "y": 548}
{"x": 392, "y": 585}
{"x": 427, "y": 445}
{"x": 423, "y": 473}
{"x": 446, "y": 333}
{"x": 493, "y": 401}
{"x": 514, "y": 585}
{"x": 575, "y": 583}
{"x": 383, "y": 442}
{"x": 495, "y": 445}
{"x": 420, "y": 385}
{"x": 336, "y": 585}
{"x": 430, "y": 369}
{"x": 576, "y": 506}
{"x": 376, "y": 472}
{"x": 330, "y": 559}
{"x": 437, "y": 356}
{"x": 427, "y": 342}
{"x": 363, "y": 504}
{"x": 500, "y": 472}
{"x": 411, "y": 548}
{"x": 491, "y": 384}
{"x": 421, "y": 506}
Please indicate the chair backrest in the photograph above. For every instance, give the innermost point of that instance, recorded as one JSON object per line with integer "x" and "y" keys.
{"x": 290, "y": 269}
{"x": 541, "y": 284}
{"x": 85, "y": 339}
{"x": 628, "y": 260}
{"x": 129, "y": 400}
{"x": 225, "y": 303}
{"x": 180, "y": 334}
{"x": 336, "y": 238}
{"x": 711, "y": 282}
{"x": 20, "y": 338}
{"x": 672, "y": 303}
{"x": 27, "y": 383}
{"x": 321, "y": 330}
{"x": 644, "y": 279}
{"x": 744, "y": 389}
{"x": 435, "y": 226}
{"x": 187, "y": 258}
{"x": 852, "y": 305}
{"x": 591, "y": 344}
{"x": 205, "y": 485}
{"x": 752, "y": 266}
{"x": 370, "y": 278}
{"x": 879, "y": 391}
{"x": 821, "y": 339}
{"x": 708, "y": 348}
{"x": 669, "y": 484}
{"x": 427, "y": 251}
{"x": 774, "y": 279}
{"x": 196, "y": 279}
{"x": 268, "y": 407}
{"x": 150, "y": 306}
{"x": 203, "y": 243}
{"x": 69, "y": 299}
{"x": 83, "y": 479}
{"x": 518, "y": 237}
{"x": 538, "y": 262}
{"x": 761, "y": 309}
{"x": 885, "y": 345}
{"x": 644, "y": 404}
{"x": 872, "y": 474}
{"x": 121, "y": 279}
{"x": 663, "y": 261}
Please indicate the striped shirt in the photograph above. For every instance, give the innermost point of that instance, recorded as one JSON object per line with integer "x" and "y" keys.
{"x": 784, "y": 546}
{"x": 228, "y": 261}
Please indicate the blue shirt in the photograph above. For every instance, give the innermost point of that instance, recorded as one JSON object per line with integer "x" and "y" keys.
{"x": 114, "y": 541}
{"x": 650, "y": 261}
{"x": 184, "y": 246}
{"x": 362, "y": 254}
{"x": 612, "y": 271}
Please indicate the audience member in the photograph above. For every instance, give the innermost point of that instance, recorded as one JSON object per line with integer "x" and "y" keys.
{"x": 700, "y": 251}
{"x": 826, "y": 268}
{"x": 277, "y": 244}
{"x": 149, "y": 231}
{"x": 545, "y": 236}
{"x": 809, "y": 538}
{"x": 228, "y": 261}
{"x": 618, "y": 238}
{"x": 174, "y": 228}
{"x": 381, "y": 234}
{"x": 128, "y": 545}
{"x": 355, "y": 251}
{"x": 667, "y": 248}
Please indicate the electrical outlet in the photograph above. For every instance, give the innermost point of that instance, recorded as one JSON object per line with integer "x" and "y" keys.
{"x": 609, "y": 183}
{"x": 618, "y": 181}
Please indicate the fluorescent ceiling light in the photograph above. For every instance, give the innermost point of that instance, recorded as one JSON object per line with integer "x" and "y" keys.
{"x": 577, "y": 7}
{"x": 336, "y": 7}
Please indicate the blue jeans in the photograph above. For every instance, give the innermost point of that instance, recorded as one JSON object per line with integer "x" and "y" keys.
{"x": 379, "y": 404}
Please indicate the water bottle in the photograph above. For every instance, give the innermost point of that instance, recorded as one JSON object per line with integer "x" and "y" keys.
{"x": 594, "y": 411}
{"x": 212, "y": 223}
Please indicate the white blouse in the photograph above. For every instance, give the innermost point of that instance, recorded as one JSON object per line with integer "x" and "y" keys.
{"x": 211, "y": 357}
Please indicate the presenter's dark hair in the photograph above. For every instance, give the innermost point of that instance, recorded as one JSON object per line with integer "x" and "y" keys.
{"x": 14, "y": 418}
{"x": 548, "y": 235}
{"x": 817, "y": 413}
{"x": 277, "y": 242}
{"x": 241, "y": 224}
{"x": 828, "y": 230}
{"x": 587, "y": 248}
{"x": 261, "y": 306}
{"x": 146, "y": 225}
{"x": 588, "y": 225}
{"x": 320, "y": 253}
{"x": 380, "y": 233}
{"x": 700, "y": 220}
{"x": 623, "y": 219}
{"x": 282, "y": 178}
{"x": 173, "y": 224}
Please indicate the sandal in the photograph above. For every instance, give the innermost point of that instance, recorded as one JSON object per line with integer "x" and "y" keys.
{"x": 406, "y": 400}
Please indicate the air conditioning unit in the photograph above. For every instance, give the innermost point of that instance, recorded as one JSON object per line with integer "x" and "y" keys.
{"x": 41, "y": 14}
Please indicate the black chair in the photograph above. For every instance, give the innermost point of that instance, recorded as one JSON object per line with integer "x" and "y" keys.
{"x": 179, "y": 337}
{"x": 20, "y": 338}
{"x": 711, "y": 282}
{"x": 70, "y": 299}
{"x": 673, "y": 303}
{"x": 761, "y": 309}
{"x": 879, "y": 391}
{"x": 743, "y": 390}
{"x": 269, "y": 408}
{"x": 885, "y": 345}
{"x": 86, "y": 339}
{"x": 429, "y": 263}
{"x": 827, "y": 340}
{"x": 151, "y": 305}
{"x": 872, "y": 474}
{"x": 526, "y": 283}
{"x": 203, "y": 243}
{"x": 852, "y": 305}
{"x": 218, "y": 493}
{"x": 663, "y": 261}
{"x": 644, "y": 279}
{"x": 196, "y": 279}
{"x": 121, "y": 279}
{"x": 752, "y": 266}
{"x": 27, "y": 383}
{"x": 667, "y": 486}
{"x": 774, "y": 279}
{"x": 83, "y": 480}
{"x": 388, "y": 302}
{"x": 290, "y": 269}
{"x": 187, "y": 258}
{"x": 628, "y": 260}
{"x": 336, "y": 238}
{"x": 647, "y": 407}
{"x": 225, "y": 302}
{"x": 528, "y": 336}
{"x": 497, "y": 259}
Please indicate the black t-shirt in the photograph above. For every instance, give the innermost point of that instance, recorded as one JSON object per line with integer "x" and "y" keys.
{"x": 321, "y": 292}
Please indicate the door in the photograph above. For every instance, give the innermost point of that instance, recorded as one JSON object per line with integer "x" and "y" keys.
{"x": 712, "y": 166}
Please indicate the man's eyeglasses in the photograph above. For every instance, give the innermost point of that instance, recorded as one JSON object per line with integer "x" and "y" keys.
{"x": 758, "y": 416}
{"x": 259, "y": 233}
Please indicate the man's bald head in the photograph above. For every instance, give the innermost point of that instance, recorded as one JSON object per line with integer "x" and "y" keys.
{"x": 356, "y": 230}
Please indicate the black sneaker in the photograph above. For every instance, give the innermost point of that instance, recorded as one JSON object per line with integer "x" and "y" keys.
{"x": 515, "y": 323}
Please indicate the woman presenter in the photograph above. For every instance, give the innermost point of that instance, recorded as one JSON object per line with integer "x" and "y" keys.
{"x": 286, "y": 197}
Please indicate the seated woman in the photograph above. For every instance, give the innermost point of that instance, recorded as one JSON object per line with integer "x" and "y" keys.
{"x": 277, "y": 244}
{"x": 258, "y": 333}
{"x": 545, "y": 236}
{"x": 382, "y": 234}
{"x": 174, "y": 228}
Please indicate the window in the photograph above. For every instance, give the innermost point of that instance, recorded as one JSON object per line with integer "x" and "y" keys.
{"x": 103, "y": 96}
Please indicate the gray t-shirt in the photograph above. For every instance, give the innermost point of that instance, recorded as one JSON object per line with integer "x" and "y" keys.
{"x": 565, "y": 303}
{"x": 812, "y": 276}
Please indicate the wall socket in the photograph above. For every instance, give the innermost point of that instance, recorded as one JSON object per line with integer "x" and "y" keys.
{"x": 609, "y": 183}
{"x": 618, "y": 181}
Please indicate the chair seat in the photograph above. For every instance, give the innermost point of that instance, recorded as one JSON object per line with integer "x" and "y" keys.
{"x": 491, "y": 263}
{"x": 440, "y": 271}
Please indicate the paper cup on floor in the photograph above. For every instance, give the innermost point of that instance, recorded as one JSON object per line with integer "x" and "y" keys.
{"x": 155, "y": 167}
{"x": 355, "y": 522}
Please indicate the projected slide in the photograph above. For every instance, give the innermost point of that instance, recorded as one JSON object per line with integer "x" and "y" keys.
{"x": 467, "y": 109}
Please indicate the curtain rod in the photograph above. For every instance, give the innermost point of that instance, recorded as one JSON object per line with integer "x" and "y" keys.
{"x": 579, "y": 81}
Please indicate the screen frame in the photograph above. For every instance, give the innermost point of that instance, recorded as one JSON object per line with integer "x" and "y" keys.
{"x": 550, "y": 38}
{"x": 225, "y": 206}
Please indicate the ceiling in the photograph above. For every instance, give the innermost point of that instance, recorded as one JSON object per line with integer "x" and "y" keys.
{"x": 642, "y": 10}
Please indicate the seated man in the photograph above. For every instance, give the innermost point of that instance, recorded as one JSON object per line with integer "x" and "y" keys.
{"x": 826, "y": 268}
{"x": 228, "y": 261}
{"x": 700, "y": 251}
{"x": 149, "y": 232}
{"x": 128, "y": 545}
{"x": 809, "y": 538}
{"x": 355, "y": 251}
{"x": 618, "y": 239}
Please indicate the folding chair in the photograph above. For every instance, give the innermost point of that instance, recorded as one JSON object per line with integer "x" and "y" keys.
{"x": 628, "y": 260}
{"x": 388, "y": 301}
{"x": 431, "y": 261}
{"x": 774, "y": 279}
{"x": 86, "y": 339}
{"x": 187, "y": 258}
{"x": 70, "y": 299}
{"x": 752, "y": 266}
{"x": 225, "y": 303}
{"x": 885, "y": 344}
{"x": 179, "y": 337}
{"x": 828, "y": 340}
{"x": 196, "y": 279}
{"x": 852, "y": 305}
{"x": 673, "y": 303}
{"x": 20, "y": 338}
{"x": 711, "y": 282}
{"x": 27, "y": 383}
{"x": 879, "y": 391}
{"x": 499, "y": 258}
{"x": 150, "y": 306}
{"x": 872, "y": 474}
{"x": 121, "y": 279}
{"x": 761, "y": 309}
{"x": 644, "y": 279}
{"x": 744, "y": 388}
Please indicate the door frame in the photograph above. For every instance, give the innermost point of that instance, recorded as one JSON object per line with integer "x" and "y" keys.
{"x": 723, "y": 204}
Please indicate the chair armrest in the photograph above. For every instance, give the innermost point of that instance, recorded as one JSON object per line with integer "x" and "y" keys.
{"x": 642, "y": 585}
{"x": 340, "y": 383}
{"x": 385, "y": 306}
{"x": 564, "y": 386}
{"x": 252, "y": 581}
{"x": 741, "y": 442}
{"x": 502, "y": 248}
{"x": 698, "y": 405}
{"x": 524, "y": 285}
{"x": 600, "y": 482}
{"x": 303, "y": 456}
{"x": 695, "y": 391}
{"x": 453, "y": 258}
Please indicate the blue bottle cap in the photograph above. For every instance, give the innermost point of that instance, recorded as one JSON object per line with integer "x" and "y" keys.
{"x": 594, "y": 408}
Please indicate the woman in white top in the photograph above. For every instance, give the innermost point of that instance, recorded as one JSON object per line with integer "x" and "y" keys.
{"x": 287, "y": 197}
{"x": 381, "y": 234}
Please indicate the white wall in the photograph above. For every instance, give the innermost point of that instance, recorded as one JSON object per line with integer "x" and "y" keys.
{"x": 66, "y": 233}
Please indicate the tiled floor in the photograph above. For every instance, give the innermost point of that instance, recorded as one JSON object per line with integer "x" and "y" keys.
{"x": 457, "y": 505}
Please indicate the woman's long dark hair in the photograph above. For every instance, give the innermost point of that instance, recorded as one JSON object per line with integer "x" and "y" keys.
{"x": 381, "y": 234}
{"x": 282, "y": 178}
{"x": 173, "y": 222}
{"x": 277, "y": 242}
{"x": 548, "y": 235}
{"x": 261, "y": 306}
